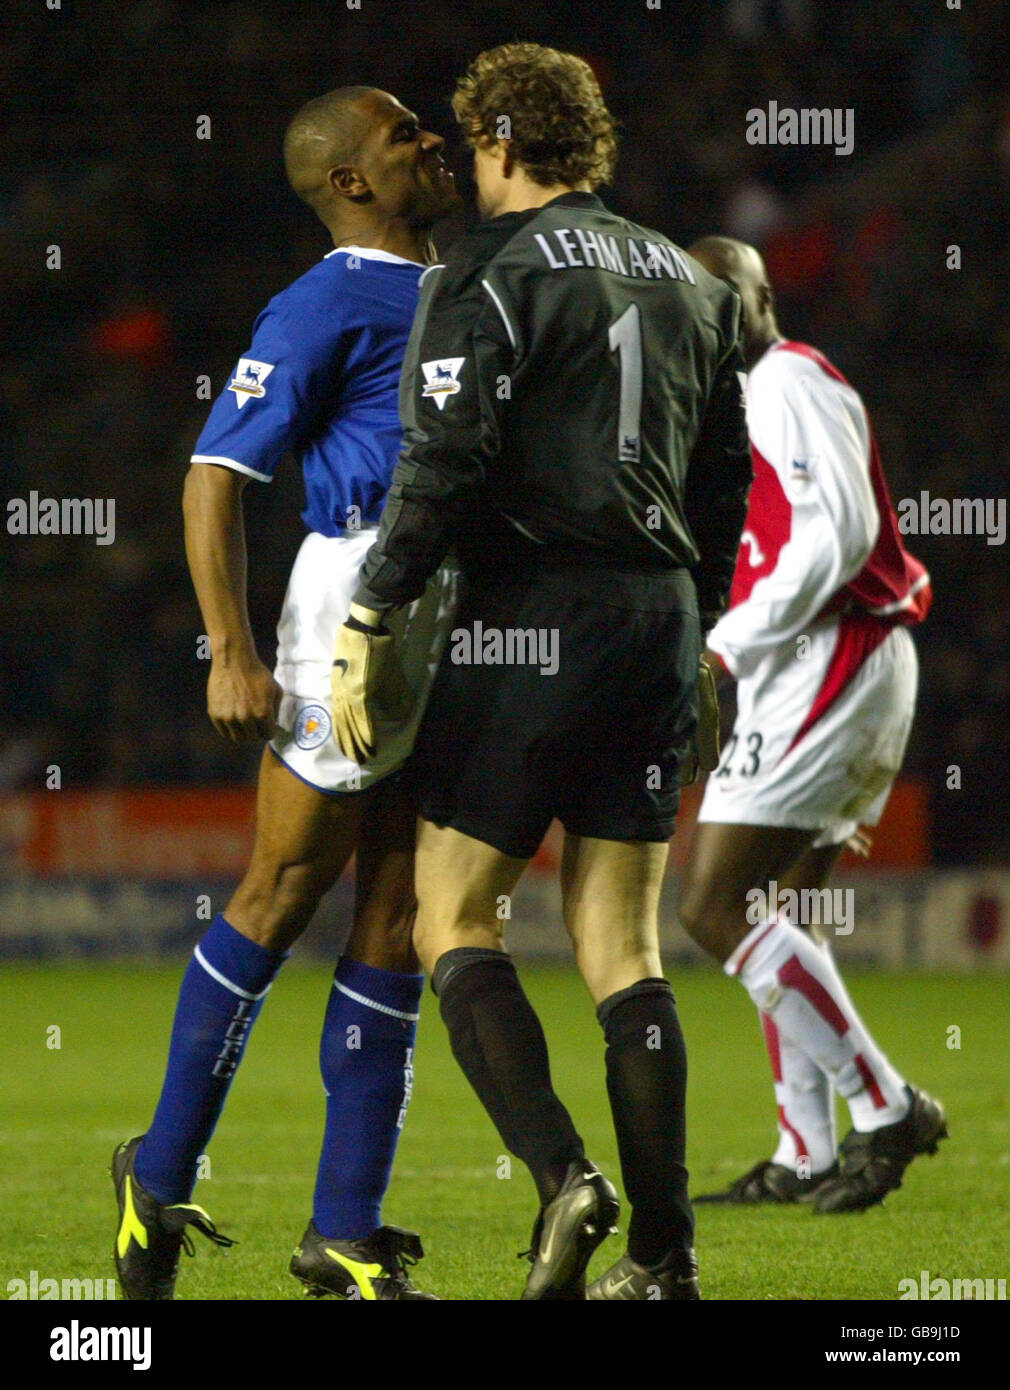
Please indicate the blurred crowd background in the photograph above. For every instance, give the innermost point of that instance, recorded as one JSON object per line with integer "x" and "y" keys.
{"x": 170, "y": 245}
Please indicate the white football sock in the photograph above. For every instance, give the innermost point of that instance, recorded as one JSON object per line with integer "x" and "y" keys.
{"x": 791, "y": 979}
{"x": 805, "y": 1103}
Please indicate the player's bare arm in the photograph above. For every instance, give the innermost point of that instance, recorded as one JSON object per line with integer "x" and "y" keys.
{"x": 242, "y": 695}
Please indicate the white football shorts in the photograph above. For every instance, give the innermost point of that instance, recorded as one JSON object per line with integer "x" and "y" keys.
{"x": 322, "y": 584}
{"x": 838, "y": 774}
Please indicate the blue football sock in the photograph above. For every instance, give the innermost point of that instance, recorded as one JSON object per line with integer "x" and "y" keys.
{"x": 221, "y": 996}
{"x": 367, "y": 1061}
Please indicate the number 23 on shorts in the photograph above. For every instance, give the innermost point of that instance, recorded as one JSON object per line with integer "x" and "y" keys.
{"x": 750, "y": 762}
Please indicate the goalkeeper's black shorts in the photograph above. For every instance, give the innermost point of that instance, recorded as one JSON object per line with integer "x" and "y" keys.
{"x": 568, "y": 694}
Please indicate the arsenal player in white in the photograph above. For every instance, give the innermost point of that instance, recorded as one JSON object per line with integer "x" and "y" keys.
{"x": 817, "y": 639}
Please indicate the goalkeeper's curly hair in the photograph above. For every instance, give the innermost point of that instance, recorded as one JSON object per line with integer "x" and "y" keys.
{"x": 558, "y": 122}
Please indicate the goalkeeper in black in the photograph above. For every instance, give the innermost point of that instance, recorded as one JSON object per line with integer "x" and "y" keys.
{"x": 574, "y": 430}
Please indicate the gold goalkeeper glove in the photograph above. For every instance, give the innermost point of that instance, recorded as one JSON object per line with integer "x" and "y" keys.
{"x": 366, "y": 677}
{"x": 703, "y": 751}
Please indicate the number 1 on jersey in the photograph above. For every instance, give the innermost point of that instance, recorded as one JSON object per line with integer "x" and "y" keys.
{"x": 625, "y": 338}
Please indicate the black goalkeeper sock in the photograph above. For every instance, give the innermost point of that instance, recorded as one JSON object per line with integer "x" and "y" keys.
{"x": 647, "y": 1082}
{"x": 498, "y": 1041}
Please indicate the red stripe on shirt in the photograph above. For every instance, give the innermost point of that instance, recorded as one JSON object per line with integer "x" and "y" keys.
{"x": 767, "y": 528}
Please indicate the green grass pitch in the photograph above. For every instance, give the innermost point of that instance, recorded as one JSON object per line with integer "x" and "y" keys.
{"x": 67, "y": 1107}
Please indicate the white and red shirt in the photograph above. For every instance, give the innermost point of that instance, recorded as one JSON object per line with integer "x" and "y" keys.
{"x": 821, "y": 535}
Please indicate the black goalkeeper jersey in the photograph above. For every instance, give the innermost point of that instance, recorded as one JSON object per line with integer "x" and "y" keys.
{"x": 571, "y": 396}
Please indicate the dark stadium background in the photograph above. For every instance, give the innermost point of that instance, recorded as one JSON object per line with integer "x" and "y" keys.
{"x": 170, "y": 245}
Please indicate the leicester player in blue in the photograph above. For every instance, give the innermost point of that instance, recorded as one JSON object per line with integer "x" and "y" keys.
{"x": 319, "y": 379}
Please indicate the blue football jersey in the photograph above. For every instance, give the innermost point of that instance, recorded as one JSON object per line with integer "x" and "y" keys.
{"x": 320, "y": 380}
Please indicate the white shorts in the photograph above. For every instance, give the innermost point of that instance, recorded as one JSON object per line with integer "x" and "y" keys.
{"x": 322, "y": 584}
{"x": 838, "y": 774}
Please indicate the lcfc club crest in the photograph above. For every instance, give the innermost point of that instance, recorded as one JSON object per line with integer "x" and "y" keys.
{"x": 440, "y": 379}
{"x": 248, "y": 379}
{"x": 312, "y": 727}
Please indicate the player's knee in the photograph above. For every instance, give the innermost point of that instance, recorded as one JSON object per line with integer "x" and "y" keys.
{"x": 709, "y": 919}
{"x": 434, "y": 935}
{"x": 274, "y": 907}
